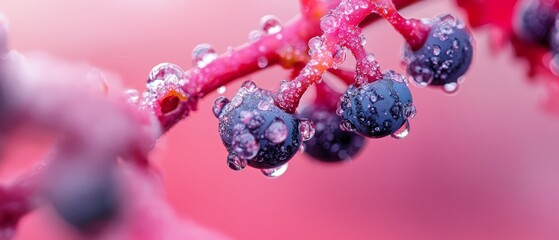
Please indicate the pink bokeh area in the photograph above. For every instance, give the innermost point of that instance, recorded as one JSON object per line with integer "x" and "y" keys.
{"x": 482, "y": 164}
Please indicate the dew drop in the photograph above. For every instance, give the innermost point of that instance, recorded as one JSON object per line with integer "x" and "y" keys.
{"x": 374, "y": 97}
{"x": 255, "y": 35}
{"x": 306, "y": 128}
{"x": 451, "y": 88}
{"x": 363, "y": 40}
{"x": 167, "y": 72}
{"x": 236, "y": 163}
{"x": 266, "y": 104}
{"x": 436, "y": 50}
{"x": 262, "y": 62}
{"x": 219, "y": 103}
{"x": 315, "y": 44}
{"x": 403, "y": 132}
{"x": 237, "y": 101}
{"x": 339, "y": 56}
{"x": 270, "y": 24}
{"x": 328, "y": 23}
{"x": 245, "y": 145}
{"x": 221, "y": 90}
{"x": 339, "y": 111}
{"x": 347, "y": 126}
{"x": 203, "y": 54}
{"x": 422, "y": 76}
{"x": 409, "y": 110}
{"x": 250, "y": 86}
{"x": 275, "y": 172}
{"x": 276, "y": 132}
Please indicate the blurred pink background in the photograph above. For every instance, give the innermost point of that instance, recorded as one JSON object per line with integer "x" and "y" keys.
{"x": 483, "y": 164}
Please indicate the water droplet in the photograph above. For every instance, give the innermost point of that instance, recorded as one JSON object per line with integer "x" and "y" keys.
{"x": 347, "y": 126}
{"x": 315, "y": 44}
{"x": 250, "y": 86}
{"x": 262, "y": 62}
{"x": 132, "y": 96}
{"x": 362, "y": 39}
{"x": 203, "y": 54}
{"x": 237, "y": 101}
{"x": 403, "y": 132}
{"x": 270, "y": 24}
{"x": 275, "y": 172}
{"x": 328, "y": 23}
{"x": 276, "y": 132}
{"x": 255, "y": 35}
{"x": 371, "y": 57}
{"x": 245, "y": 145}
{"x": 166, "y": 72}
{"x": 339, "y": 111}
{"x": 265, "y": 104}
{"x": 451, "y": 88}
{"x": 409, "y": 110}
{"x": 306, "y": 128}
{"x": 219, "y": 103}
{"x": 422, "y": 76}
{"x": 339, "y": 56}
{"x": 374, "y": 97}
{"x": 436, "y": 50}
{"x": 221, "y": 90}
{"x": 236, "y": 163}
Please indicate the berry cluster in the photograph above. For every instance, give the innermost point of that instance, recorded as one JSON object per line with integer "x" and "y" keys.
{"x": 260, "y": 128}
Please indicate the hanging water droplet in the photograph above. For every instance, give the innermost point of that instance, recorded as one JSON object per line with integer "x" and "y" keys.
{"x": 306, "y": 128}
{"x": 403, "y": 132}
{"x": 275, "y": 172}
{"x": 339, "y": 56}
{"x": 236, "y": 163}
{"x": 409, "y": 111}
{"x": 250, "y": 86}
{"x": 167, "y": 72}
{"x": 347, "y": 126}
{"x": 221, "y": 90}
{"x": 245, "y": 145}
{"x": 302, "y": 148}
{"x": 132, "y": 96}
{"x": 262, "y": 62}
{"x": 203, "y": 54}
{"x": 270, "y": 24}
{"x": 219, "y": 103}
{"x": 328, "y": 23}
{"x": 451, "y": 88}
{"x": 362, "y": 40}
{"x": 276, "y": 132}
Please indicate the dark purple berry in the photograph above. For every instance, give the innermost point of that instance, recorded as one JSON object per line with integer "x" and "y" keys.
{"x": 330, "y": 143}
{"x": 535, "y": 21}
{"x": 379, "y": 108}
{"x": 255, "y": 131}
{"x": 444, "y": 57}
{"x": 85, "y": 198}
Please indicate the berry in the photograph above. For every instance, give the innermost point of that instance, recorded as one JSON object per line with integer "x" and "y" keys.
{"x": 84, "y": 198}
{"x": 535, "y": 21}
{"x": 444, "y": 57}
{"x": 254, "y": 130}
{"x": 377, "y": 109}
{"x": 330, "y": 143}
